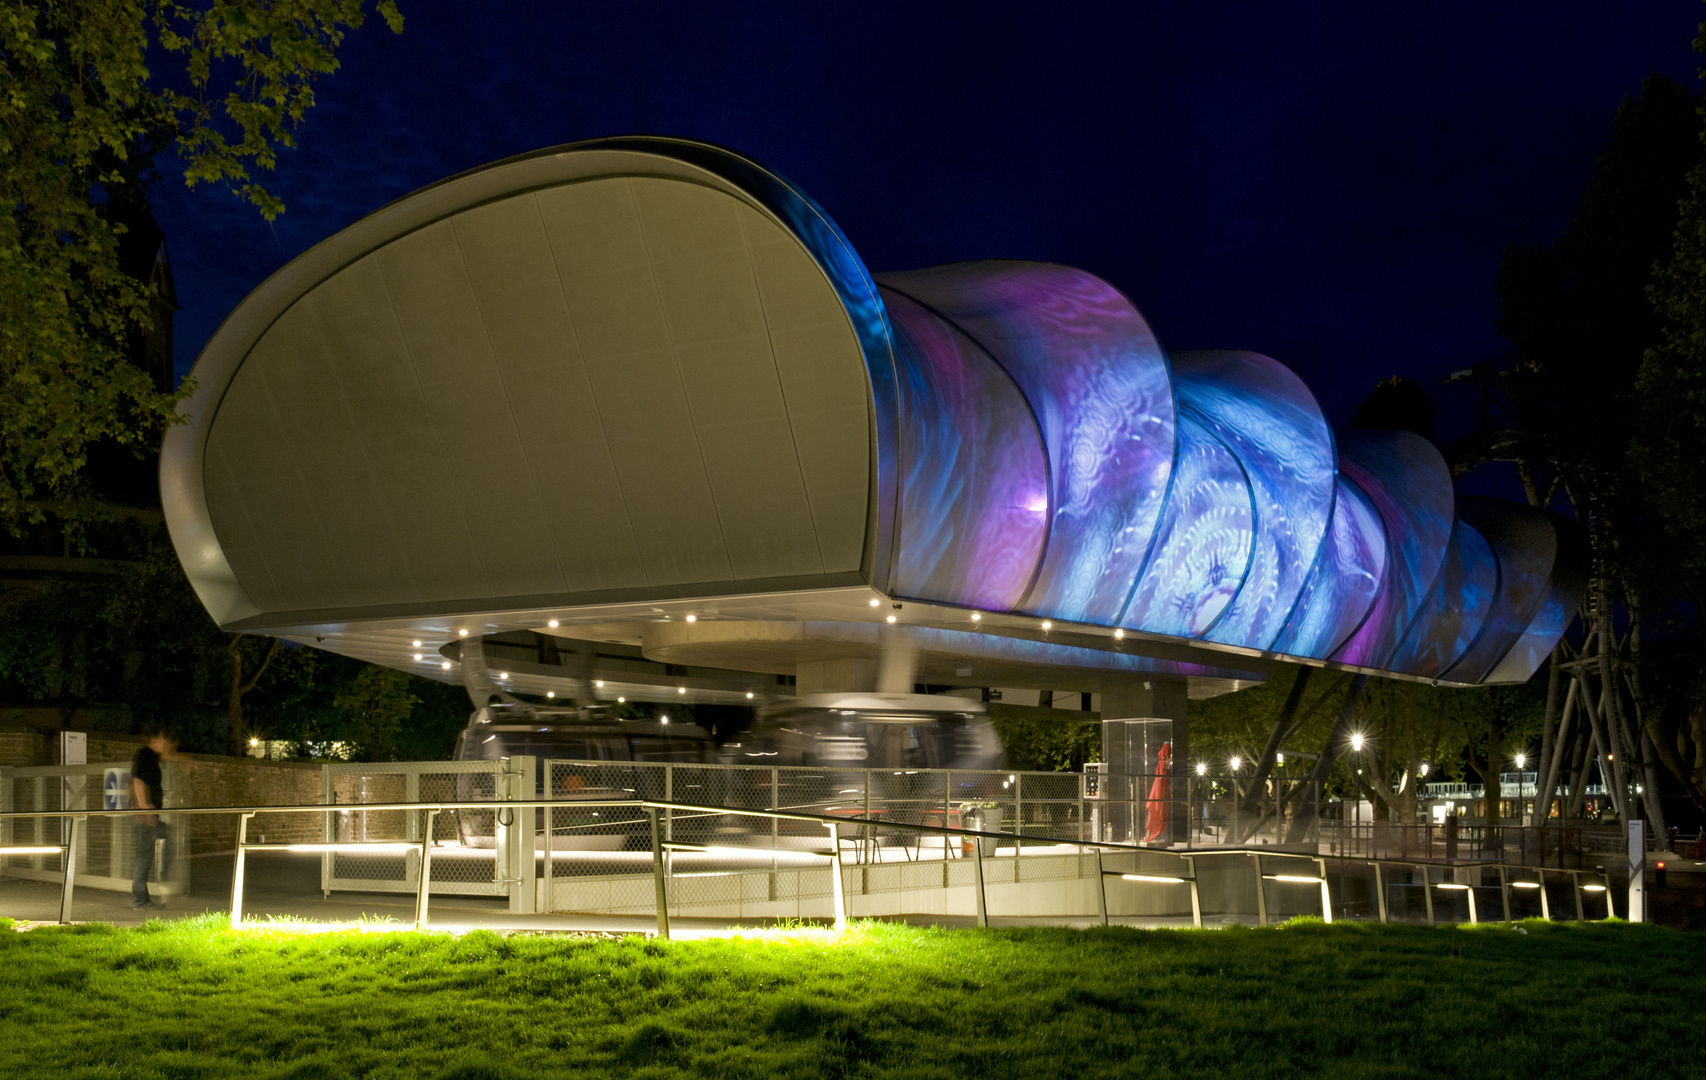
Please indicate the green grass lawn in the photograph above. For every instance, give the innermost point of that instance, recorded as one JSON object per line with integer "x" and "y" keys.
{"x": 190, "y": 999}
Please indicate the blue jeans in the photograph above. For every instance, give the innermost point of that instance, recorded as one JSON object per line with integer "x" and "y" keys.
{"x": 145, "y": 837}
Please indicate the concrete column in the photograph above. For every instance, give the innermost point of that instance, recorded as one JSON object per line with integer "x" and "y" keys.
{"x": 832, "y": 676}
{"x": 1139, "y": 715}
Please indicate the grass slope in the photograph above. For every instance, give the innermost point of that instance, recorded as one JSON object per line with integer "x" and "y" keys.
{"x": 189, "y": 999}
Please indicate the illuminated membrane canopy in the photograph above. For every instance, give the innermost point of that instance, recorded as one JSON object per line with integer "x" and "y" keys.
{"x": 637, "y": 371}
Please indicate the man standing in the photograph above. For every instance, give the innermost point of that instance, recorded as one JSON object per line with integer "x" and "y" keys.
{"x": 146, "y": 793}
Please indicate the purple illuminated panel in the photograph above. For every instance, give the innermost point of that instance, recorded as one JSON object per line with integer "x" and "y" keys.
{"x": 973, "y": 485}
{"x": 1203, "y": 547}
{"x": 1269, "y": 419}
{"x": 1345, "y": 581}
{"x": 1097, "y": 381}
{"x": 1525, "y": 541}
{"x": 1410, "y": 486}
{"x": 1456, "y": 611}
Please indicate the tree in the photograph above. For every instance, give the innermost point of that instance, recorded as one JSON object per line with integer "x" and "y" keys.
{"x": 82, "y": 120}
{"x": 374, "y": 706}
{"x": 1599, "y": 378}
{"x": 1397, "y": 403}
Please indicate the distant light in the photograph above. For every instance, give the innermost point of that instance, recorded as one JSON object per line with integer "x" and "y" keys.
{"x": 1279, "y": 759}
{"x": 1236, "y": 762}
{"x": 254, "y": 742}
{"x": 1611, "y": 757}
{"x": 976, "y": 616}
{"x": 1521, "y": 760}
{"x": 416, "y": 644}
{"x": 891, "y": 618}
{"x": 550, "y": 693}
{"x": 461, "y": 633}
{"x": 1011, "y": 778}
{"x": 1119, "y": 635}
{"x": 749, "y": 694}
{"x": 1356, "y": 742}
{"x": 876, "y": 603}
{"x": 1424, "y": 769}
{"x": 692, "y": 618}
{"x": 620, "y": 700}
{"x": 553, "y": 622}
{"x": 598, "y": 682}
{"x": 663, "y": 719}
{"x": 445, "y": 665}
{"x": 1047, "y": 625}
{"x": 681, "y": 689}
{"x": 1202, "y": 769}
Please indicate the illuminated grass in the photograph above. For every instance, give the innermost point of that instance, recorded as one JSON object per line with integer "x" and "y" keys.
{"x": 190, "y": 999}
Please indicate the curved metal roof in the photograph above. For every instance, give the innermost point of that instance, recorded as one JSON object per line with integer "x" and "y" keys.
{"x": 628, "y": 380}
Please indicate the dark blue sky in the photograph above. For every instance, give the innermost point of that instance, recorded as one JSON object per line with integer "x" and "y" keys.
{"x": 1329, "y": 183}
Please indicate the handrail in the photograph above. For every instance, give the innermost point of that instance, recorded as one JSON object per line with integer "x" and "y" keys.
{"x": 652, "y": 809}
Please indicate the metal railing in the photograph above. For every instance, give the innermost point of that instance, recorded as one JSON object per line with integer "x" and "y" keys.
{"x": 844, "y": 835}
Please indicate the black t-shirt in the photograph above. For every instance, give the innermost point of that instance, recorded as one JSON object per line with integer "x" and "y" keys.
{"x": 145, "y": 766}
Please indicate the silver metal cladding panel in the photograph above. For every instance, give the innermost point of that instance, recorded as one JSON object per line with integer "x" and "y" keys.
{"x": 624, "y": 381}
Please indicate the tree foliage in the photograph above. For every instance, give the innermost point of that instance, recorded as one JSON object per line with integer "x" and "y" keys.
{"x": 82, "y": 120}
{"x": 1397, "y": 403}
{"x": 140, "y": 651}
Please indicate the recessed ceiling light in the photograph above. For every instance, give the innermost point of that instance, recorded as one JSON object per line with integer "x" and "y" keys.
{"x": 692, "y": 618}
{"x": 553, "y": 622}
{"x": 503, "y": 674}
{"x": 976, "y": 616}
{"x": 550, "y": 693}
{"x": 418, "y": 656}
{"x": 416, "y": 644}
{"x": 1119, "y": 634}
{"x": 445, "y": 665}
{"x": 891, "y": 618}
{"x": 620, "y": 700}
{"x": 461, "y": 633}
{"x": 749, "y": 693}
{"x": 681, "y": 689}
{"x": 598, "y": 682}
{"x": 1047, "y": 625}
{"x": 876, "y": 603}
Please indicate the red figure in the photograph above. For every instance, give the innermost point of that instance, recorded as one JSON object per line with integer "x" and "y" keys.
{"x": 1159, "y": 791}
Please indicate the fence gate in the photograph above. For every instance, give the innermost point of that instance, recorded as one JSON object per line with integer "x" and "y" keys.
{"x": 106, "y": 846}
{"x": 474, "y": 852}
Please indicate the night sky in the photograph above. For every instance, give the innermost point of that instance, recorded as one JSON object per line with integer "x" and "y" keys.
{"x": 1332, "y": 184}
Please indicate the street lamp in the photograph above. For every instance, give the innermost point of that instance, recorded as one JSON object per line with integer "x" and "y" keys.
{"x": 1356, "y": 740}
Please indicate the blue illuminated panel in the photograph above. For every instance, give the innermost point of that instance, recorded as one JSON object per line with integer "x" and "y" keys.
{"x": 1526, "y": 544}
{"x": 1410, "y": 486}
{"x": 1268, "y": 418}
{"x": 1203, "y": 547}
{"x": 1097, "y": 381}
{"x": 1346, "y": 579}
{"x": 1456, "y": 610}
{"x": 973, "y": 486}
